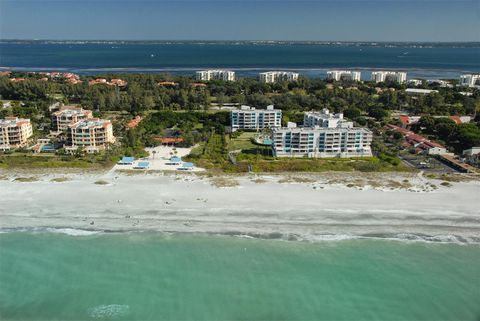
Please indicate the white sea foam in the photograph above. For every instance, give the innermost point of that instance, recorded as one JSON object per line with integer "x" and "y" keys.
{"x": 71, "y": 231}
{"x": 67, "y": 231}
{"x": 109, "y": 311}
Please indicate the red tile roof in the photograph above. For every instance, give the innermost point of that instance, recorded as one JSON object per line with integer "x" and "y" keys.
{"x": 400, "y": 129}
{"x": 134, "y": 122}
{"x": 404, "y": 119}
{"x": 169, "y": 140}
{"x": 456, "y": 119}
{"x": 415, "y": 139}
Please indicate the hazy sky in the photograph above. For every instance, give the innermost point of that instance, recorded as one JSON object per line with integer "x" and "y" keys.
{"x": 352, "y": 20}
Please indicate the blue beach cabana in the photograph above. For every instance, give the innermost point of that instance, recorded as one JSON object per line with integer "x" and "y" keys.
{"x": 142, "y": 165}
{"x": 186, "y": 167}
{"x": 174, "y": 160}
{"x": 126, "y": 160}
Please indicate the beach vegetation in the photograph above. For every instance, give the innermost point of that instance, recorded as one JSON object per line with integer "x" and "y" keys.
{"x": 26, "y": 179}
{"x": 28, "y": 161}
{"x": 101, "y": 182}
{"x": 296, "y": 179}
{"x": 222, "y": 181}
{"x": 60, "y": 179}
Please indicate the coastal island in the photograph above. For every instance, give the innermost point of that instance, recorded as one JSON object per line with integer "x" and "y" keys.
{"x": 172, "y": 147}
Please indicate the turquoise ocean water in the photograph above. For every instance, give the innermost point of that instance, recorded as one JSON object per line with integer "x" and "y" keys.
{"x": 149, "y": 276}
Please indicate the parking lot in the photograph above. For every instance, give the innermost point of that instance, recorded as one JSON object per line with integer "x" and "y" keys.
{"x": 426, "y": 163}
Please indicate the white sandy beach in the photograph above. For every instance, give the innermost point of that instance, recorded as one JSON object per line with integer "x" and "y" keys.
{"x": 159, "y": 159}
{"x": 262, "y": 206}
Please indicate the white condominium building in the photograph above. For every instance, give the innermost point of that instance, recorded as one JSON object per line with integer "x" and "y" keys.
{"x": 419, "y": 91}
{"x": 440, "y": 82}
{"x": 389, "y": 76}
{"x": 338, "y": 75}
{"x": 67, "y": 115}
{"x": 93, "y": 134}
{"x": 14, "y": 132}
{"x": 277, "y": 76}
{"x": 253, "y": 119}
{"x": 415, "y": 82}
{"x": 322, "y": 142}
{"x": 323, "y": 135}
{"x": 470, "y": 80}
{"x": 217, "y": 74}
{"x": 325, "y": 119}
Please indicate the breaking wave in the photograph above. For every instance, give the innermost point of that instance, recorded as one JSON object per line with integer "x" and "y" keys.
{"x": 405, "y": 237}
{"x": 109, "y": 311}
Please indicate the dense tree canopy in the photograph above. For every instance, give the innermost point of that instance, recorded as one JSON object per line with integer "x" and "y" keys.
{"x": 143, "y": 93}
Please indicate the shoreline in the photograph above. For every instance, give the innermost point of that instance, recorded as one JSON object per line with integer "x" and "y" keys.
{"x": 309, "y": 72}
{"x": 394, "y": 237}
{"x": 299, "y": 207}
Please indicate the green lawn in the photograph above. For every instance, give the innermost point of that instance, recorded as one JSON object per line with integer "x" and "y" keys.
{"x": 261, "y": 163}
{"x": 57, "y": 96}
{"x": 241, "y": 142}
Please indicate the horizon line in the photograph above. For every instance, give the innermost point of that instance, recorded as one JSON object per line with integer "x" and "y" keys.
{"x": 245, "y": 40}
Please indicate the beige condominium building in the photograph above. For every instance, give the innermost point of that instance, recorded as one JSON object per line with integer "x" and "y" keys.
{"x": 323, "y": 135}
{"x": 277, "y": 76}
{"x": 67, "y": 115}
{"x": 92, "y": 135}
{"x": 14, "y": 132}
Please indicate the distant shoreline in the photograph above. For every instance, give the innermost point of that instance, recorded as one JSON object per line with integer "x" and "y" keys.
{"x": 381, "y": 44}
{"x": 247, "y": 72}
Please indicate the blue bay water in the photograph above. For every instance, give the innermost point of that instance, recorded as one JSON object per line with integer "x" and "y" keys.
{"x": 149, "y": 276}
{"x": 246, "y": 59}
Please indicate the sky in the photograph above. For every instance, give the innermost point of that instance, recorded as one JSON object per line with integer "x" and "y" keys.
{"x": 323, "y": 20}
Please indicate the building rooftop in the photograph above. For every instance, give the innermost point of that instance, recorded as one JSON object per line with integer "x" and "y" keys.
{"x": 318, "y": 128}
{"x": 342, "y": 71}
{"x": 134, "y": 122}
{"x": 215, "y": 70}
{"x": 127, "y": 160}
{"x": 90, "y": 123}
{"x": 324, "y": 114}
{"x": 13, "y": 121}
{"x": 420, "y": 91}
{"x": 278, "y": 72}
{"x": 142, "y": 165}
{"x": 187, "y": 165}
{"x": 413, "y": 138}
{"x": 70, "y": 111}
{"x": 248, "y": 108}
